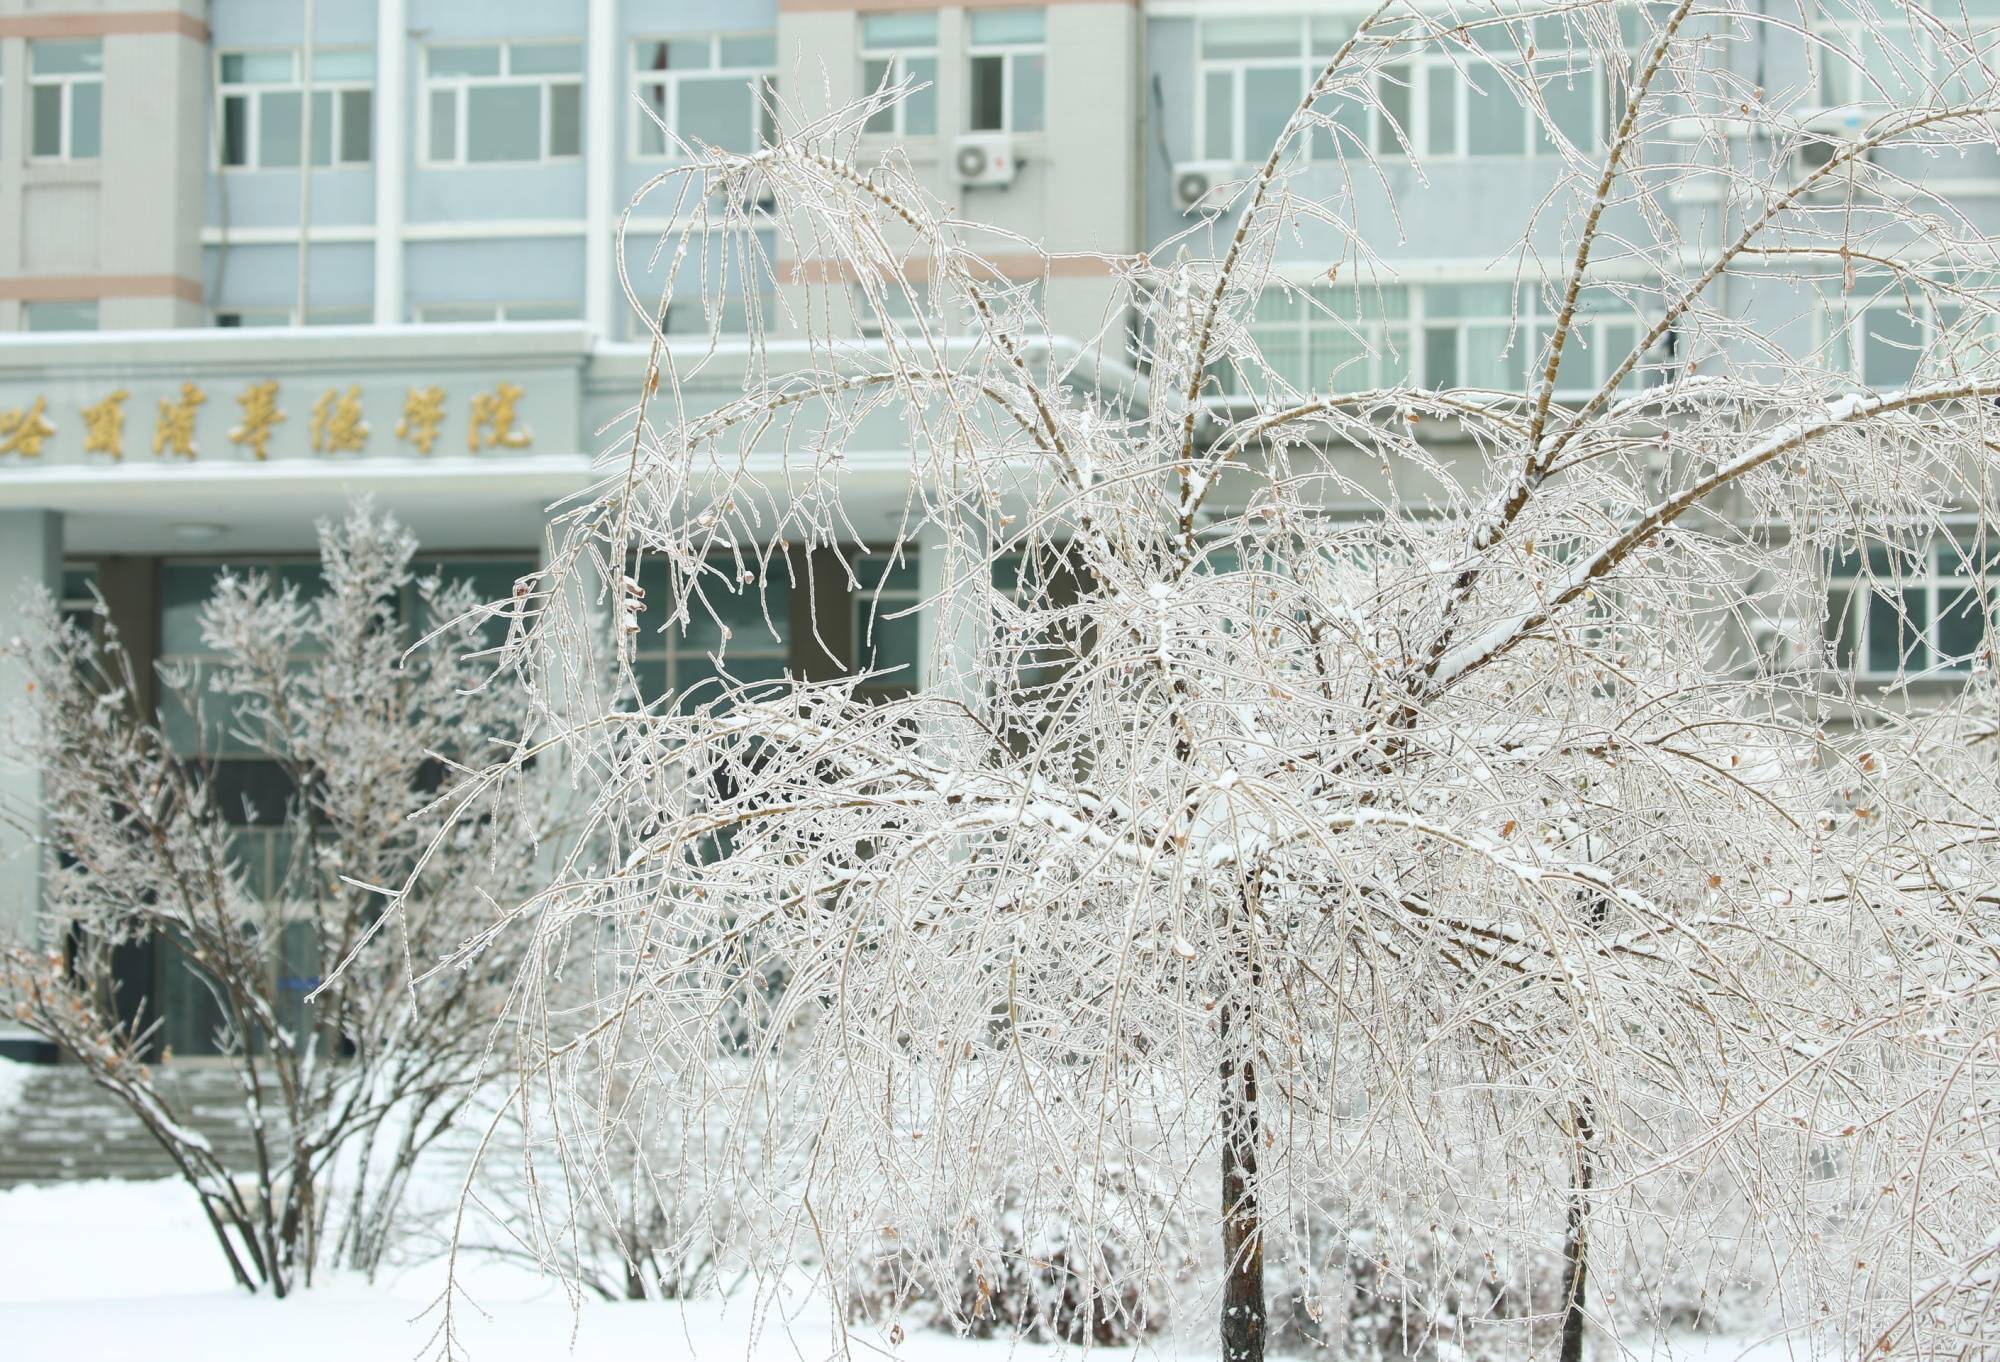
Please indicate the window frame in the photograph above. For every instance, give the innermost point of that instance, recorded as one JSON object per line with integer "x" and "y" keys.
{"x": 1410, "y": 78}
{"x": 1009, "y": 54}
{"x": 898, "y": 58}
{"x": 639, "y": 126}
{"x": 1847, "y": 631}
{"x": 665, "y": 643}
{"x": 287, "y": 316}
{"x": 497, "y": 313}
{"x": 66, "y": 81}
{"x": 1401, "y": 343}
{"x": 251, "y": 93}
{"x": 461, "y": 86}
{"x": 1839, "y": 45}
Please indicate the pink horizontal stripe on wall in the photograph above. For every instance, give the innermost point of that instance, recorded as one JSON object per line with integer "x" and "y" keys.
{"x": 103, "y": 25}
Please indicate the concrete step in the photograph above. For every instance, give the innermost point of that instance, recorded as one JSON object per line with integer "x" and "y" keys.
{"x": 62, "y": 1127}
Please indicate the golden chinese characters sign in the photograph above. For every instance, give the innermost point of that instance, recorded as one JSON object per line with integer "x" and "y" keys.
{"x": 87, "y": 424}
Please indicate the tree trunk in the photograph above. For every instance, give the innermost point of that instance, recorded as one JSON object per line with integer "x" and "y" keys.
{"x": 1242, "y": 1236}
{"x": 1576, "y": 1243}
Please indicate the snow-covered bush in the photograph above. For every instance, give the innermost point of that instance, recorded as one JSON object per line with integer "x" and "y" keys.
{"x": 370, "y": 730}
{"x": 1048, "y": 1275}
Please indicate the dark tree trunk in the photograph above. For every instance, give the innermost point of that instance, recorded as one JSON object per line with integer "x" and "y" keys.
{"x": 1242, "y": 1229}
{"x": 1576, "y": 1243}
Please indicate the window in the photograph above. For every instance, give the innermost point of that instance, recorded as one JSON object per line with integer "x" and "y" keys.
{"x": 59, "y": 316}
{"x": 885, "y": 628}
{"x": 259, "y": 108}
{"x": 715, "y": 90}
{"x": 726, "y": 610}
{"x": 1008, "y": 69}
{"x": 79, "y": 599}
{"x": 898, "y": 49}
{"x": 1889, "y": 338}
{"x": 66, "y": 90}
{"x": 498, "y": 312}
{"x": 1867, "y": 56}
{"x": 493, "y": 103}
{"x": 1472, "y": 335}
{"x": 1892, "y": 610}
{"x": 1254, "y": 72}
{"x": 358, "y": 314}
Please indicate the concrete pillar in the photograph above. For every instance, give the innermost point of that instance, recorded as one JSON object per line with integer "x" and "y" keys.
{"x": 392, "y": 145}
{"x": 603, "y": 92}
{"x": 953, "y": 627}
{"x": 30, "y": 557}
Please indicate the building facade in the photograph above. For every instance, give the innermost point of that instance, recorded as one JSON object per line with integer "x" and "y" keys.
{"x": 258, "y": 257}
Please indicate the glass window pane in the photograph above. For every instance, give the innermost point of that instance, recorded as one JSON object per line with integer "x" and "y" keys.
{"x": 357, "y": 126}
{"x": 1961, "y": 628}
{"x": 690, "y": 54}
{"x": 649, "y": 56}
{"x": 1572, "y": 101}
{"x": 503, "y": 123}
{"x": 541, "y": 59}
{"x": 235, "y": 130}
{"x": 1269, "y": 97}
{"x": 1260, "y": 37}
{"x": 652, "y": 140}
{"x": 920, "y": 109}
{"x": 917, "y": 29}
{"x": 1494, "y": 119}
{"x": 1028, "y": 95}
{"x": 1218, "y": 115}
{"x": 754, "y": 50}
{"x": 184, "y": 589}
{"x": 1441, "y": 108}
{"x": 353, "y": 64}
{"x": 1838, "y": 629}
{"x": 874, "y": 75}
{"x": 1891, "y": 341}
{"x": 66, "y": 58}
{"x": 988, "y": 93}
{"x": 1392, "y": 87}
{"x": 278, "y": 128}
{"x": 1488, "y": 362}
{"x": 60, "y": 316}
{"x": 47, "y": 119}
{"x": 444, "y": 125}
{"x": 1007, "y": 26}
{"x": 257, "y": 68}
{"x": 1441, "y": 356}
{"x": 86, "y": 119}
{"x": 566, "y": 119}
{"x": 322, "y": 127}
{"x": 718, "y": 110}
{"x": 483, "y": 60}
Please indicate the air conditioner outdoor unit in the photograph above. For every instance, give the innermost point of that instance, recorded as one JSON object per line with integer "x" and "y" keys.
{"x": 1195, "y": 180}
{"x": 985, "y": 160}
{"x": 1827, "y": 135}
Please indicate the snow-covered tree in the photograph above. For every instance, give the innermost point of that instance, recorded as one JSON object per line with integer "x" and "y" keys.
{"x": 372, "y": 734}
{"x": 1326, "y": 766}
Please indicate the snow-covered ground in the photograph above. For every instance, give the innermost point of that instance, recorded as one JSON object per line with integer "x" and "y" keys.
{"x": 123, "y": 1271}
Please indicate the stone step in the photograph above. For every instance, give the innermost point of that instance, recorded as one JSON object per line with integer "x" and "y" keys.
{"x": 62, "y": 1127}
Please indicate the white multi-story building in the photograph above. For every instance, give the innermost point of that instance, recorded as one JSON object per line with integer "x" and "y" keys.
{"x": 249, "y": 271}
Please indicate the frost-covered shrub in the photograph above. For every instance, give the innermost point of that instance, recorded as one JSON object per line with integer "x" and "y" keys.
{"x": 1045, "y": 1269}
